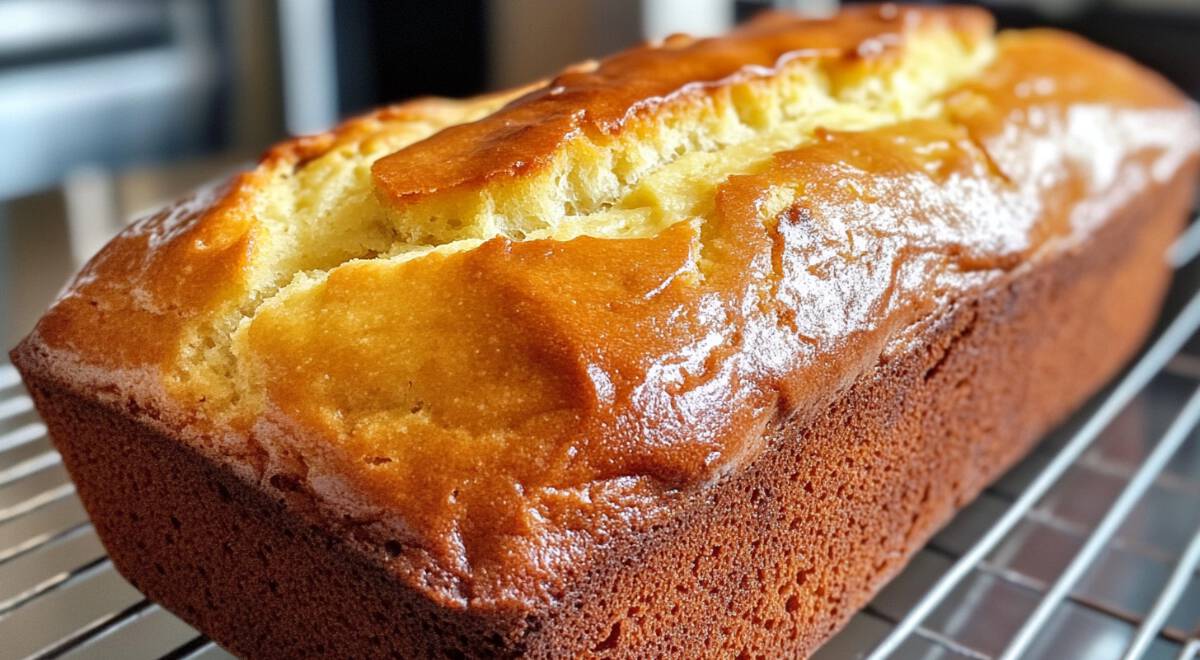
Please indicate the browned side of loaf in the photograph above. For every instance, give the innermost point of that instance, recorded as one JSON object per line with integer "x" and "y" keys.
{"x": 775, "y": 560}
{"x": 769, "y": 562}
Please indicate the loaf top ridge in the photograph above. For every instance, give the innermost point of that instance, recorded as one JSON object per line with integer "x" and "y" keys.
{"x": 492, "y": 335}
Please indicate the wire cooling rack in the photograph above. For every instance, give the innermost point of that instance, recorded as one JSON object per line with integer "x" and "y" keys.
{"x": 1087, "y": 549}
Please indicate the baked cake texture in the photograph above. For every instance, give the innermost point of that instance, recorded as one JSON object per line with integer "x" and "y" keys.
{"x": 683, "y": 352}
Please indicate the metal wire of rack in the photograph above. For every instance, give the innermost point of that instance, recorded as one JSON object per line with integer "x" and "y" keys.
{"x": 1089, "y": 548}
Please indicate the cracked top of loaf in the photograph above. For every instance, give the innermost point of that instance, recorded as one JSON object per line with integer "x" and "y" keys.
{"x": 489, "y": 336}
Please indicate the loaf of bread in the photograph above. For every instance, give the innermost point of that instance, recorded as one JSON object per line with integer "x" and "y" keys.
{"x": 681, "y": 353}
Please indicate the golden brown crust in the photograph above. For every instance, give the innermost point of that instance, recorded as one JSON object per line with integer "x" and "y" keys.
{"x": 386, "y": 341}
{"x": 593, "y": 381}
{"x": 770, "y": 561}
{"x": 129, "y": 306}
{"x": 601, "y": 98}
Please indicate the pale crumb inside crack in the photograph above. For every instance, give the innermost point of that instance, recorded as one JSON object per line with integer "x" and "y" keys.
{"x": 660, "y": 170}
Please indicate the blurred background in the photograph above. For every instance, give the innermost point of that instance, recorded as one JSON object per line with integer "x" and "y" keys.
{"x": 110, "y": 108}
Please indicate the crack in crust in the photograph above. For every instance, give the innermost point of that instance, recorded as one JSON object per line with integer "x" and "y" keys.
{"x": 502, "y": 369}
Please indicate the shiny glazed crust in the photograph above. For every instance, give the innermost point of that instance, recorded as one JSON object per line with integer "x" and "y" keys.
{"x": 684, "y": 351}
{"x": 769, "y": 562}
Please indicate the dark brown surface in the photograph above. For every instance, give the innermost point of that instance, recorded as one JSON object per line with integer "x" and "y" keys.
{"x": 770, "y": 561}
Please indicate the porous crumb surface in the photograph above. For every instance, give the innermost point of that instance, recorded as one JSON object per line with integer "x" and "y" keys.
{"x": 494, "y": 339}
